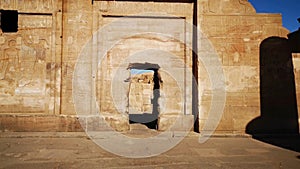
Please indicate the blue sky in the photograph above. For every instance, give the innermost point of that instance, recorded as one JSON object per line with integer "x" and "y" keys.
{"x": 290, "y": 10}
{"x": 138, "y": 71}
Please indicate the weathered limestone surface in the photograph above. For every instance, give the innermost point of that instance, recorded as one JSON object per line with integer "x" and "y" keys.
{"x": 30, "y": 60}
{"x": 235, "y": 31}
{"x": 141, "y": 93}
{"x": 38, "y": 63}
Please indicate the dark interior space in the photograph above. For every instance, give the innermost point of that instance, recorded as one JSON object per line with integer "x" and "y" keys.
{"x": 149, "y": 120}
{"x": 9, "y": 20}
{"x": 278, "y": 122}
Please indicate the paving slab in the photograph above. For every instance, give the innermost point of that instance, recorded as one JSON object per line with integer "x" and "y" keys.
{"x": 29, "y": 150}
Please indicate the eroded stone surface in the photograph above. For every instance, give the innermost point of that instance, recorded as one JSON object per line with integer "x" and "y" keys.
{"x": 37, "y": 63}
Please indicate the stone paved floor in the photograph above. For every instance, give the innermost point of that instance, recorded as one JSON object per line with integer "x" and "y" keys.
{"x": 76, "y": 150}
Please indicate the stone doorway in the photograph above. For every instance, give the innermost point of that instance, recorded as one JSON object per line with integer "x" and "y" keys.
{"x": 164, "y": 53}
{"x": 144, "y": 92}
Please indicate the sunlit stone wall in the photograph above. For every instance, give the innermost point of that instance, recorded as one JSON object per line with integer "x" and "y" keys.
{"x": 38, "y": 62}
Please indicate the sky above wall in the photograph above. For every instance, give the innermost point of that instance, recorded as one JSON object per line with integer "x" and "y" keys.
{"x": 289, "y": 9}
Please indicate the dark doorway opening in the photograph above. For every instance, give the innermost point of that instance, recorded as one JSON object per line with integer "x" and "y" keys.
{"x": 9, "y": 21}
{"x": 148, "y": 74}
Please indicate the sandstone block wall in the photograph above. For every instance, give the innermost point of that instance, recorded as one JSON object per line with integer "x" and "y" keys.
{"x": 30, "y": 59}
{"x": 236, "y": 31}
{"x": 140, "y": 93}
{"x": 38, "y": 63}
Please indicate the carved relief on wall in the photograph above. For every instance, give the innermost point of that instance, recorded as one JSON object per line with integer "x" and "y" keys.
{"x": 24, "y": 82}
{"x": 230, "y": 6}
{"x": 10, "y": 65}
{"x": 23, "y": 78}
{"x": 35, "y": 50}
{"x": 45, "y": 6}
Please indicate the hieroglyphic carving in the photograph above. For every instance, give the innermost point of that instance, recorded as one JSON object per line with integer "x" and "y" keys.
{"x": 24, "y": 55}
{"x": 26, "y": 21}
{"x": 31, "y": 5}
{"x": 7, "y": 4}
{"x": 45, "y": 6}
{"x": 42, "y": 5}
{"x": 248, "y": 7}
{"x": 21, "y": 5}
{"x": 35, "y": 53}
{"x": 230, "y": 6}
{"x": 10, "y": 67}
{"x": 23, "y": 63}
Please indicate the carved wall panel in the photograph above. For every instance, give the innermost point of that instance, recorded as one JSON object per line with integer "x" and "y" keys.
{"x": 24, "y": 56}
{"x": 37, "y": 6}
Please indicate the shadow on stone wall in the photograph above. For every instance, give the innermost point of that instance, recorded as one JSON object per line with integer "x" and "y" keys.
{"x": 278, "y": 123}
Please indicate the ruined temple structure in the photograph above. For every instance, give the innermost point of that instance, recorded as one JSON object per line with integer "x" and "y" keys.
{"x": 168, "y": 64}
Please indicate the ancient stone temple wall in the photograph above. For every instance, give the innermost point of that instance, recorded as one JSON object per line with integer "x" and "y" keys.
{"x": 26, "y": 60}
{"x": 146, "y": 36}
{"x": 41, "y": 78}
{"x": 236, "y": 31}
{"x": 30, "y": 65}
